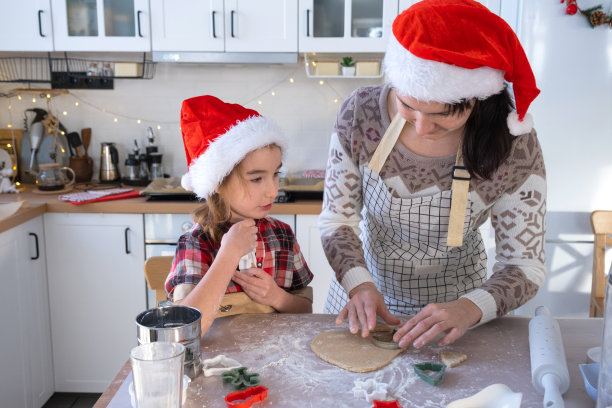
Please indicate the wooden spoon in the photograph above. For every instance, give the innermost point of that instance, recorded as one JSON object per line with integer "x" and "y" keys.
{"x": 86, "y": 138}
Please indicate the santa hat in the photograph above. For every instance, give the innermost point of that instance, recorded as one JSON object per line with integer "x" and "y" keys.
{"x": 217, "y": 136}
{"x": 450, "y": 50}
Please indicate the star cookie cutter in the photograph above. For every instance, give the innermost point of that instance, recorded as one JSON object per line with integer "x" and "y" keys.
{"x": 370, "y": 390}
{"x": 386, "y": 404}
{"x": 246, "y": 398}
{"x": 429, "y": 372}
{"x": 218, "y": 365}
{"x": 240, "y": 379}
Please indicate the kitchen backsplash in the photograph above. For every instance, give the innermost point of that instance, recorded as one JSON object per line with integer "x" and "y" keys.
{"x": 304, "y": 107}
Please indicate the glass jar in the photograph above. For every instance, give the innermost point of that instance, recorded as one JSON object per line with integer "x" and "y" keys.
{"x": 604, "y": 389}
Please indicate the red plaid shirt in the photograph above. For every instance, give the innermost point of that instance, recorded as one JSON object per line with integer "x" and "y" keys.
{"x": 277, "y": 250}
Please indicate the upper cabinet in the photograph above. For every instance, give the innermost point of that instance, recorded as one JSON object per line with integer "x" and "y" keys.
{"x": 493, "y": 5}
{"x": 224, "y": 26}
{"x": 101, "y": 25}
{"x": 26, "y": 26}
{"x": 345, "y": 25}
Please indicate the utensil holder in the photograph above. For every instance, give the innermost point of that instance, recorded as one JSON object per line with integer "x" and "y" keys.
{"x": 83, "y": 168}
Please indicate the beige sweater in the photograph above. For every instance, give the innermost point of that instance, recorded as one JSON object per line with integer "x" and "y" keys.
{"x": 515, "y": 198}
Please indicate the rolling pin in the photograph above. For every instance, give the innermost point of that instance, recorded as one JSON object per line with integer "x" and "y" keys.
{"x": 548, "y": 364}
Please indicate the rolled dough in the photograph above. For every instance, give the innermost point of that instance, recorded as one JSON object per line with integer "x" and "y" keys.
{"x": 351, "y": 351}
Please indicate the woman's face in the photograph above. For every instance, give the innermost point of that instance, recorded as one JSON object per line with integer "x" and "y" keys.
{"x": 252, "y": 188}
{"x": 431, "y": 120}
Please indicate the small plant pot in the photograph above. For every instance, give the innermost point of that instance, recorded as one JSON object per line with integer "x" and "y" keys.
{"x": 348, "y": 71}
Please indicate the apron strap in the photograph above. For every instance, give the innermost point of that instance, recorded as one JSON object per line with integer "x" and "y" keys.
{"x": 461, "y": 185}
{"x": 386, "y": 143}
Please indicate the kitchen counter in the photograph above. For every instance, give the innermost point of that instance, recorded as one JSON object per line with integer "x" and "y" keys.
{"x": 277, "y": 347}
{"x": 40, "y": 203}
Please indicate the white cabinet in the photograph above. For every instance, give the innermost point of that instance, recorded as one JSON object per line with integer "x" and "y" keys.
{"x": 26, "y": 365}
{"x": 345, "y": 25}
{"x": 26, "y": 26}
{"x": 224, "y": 25}
{"x": 493, "y": 5}
{"x": 101, "y": 25}
{"x": 96, "y": 290}
{"x": 309, "y": 238}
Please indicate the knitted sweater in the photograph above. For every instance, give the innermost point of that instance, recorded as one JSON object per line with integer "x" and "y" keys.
{"x": 514, "y": 197}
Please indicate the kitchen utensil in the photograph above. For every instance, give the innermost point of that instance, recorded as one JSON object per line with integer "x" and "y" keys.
{"x": 549, "y": 372}
{"x": 86, "y": 138}
{"x": 158, "y": 374}
{"x": 109, "y": 163}
{"x": 176, "y": 324}
{"x": 590, "y": 374}
{"x": 74, "y": 141}
{"x": 493, "y": 396}
{"x": 52, "y": 177}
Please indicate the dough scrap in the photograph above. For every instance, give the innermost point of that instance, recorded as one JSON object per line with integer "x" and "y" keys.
{"x": 351, "y": 351}
{"x": 452, "y": 358}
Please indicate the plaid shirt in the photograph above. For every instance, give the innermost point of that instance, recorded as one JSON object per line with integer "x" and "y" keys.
{"x": 277, "y": 250}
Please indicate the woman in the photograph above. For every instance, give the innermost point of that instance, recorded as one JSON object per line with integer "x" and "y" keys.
{"x": 418, "y": 164}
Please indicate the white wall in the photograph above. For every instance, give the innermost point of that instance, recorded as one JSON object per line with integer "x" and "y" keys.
{"x": 304, "y": 109}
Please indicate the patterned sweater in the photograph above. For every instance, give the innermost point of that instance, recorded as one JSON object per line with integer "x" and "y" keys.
{"x": 514, "y": 197}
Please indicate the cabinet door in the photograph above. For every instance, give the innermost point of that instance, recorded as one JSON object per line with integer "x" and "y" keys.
{"x": 187, "y": 25}
{"x": 345, "y": 25}
{"x": 14, "y": 368}
{"x": 493, "y": 5}
{"x": 261, "y": 26}
{"x": 101, "y": 25}
{"x": 96, "y": 290}
{"x": 26, "y": 26}
{"x": 309, "y": 238}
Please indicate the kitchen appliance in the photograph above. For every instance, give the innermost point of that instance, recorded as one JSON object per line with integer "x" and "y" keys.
{"x": 157, "y": 171}
{"x": 132, "y": 168}
{"x": 109, "y": 163}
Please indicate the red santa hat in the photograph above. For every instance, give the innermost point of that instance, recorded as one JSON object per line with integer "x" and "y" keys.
{"x": 450, "y": 50}
{"x": 217, "y": 136}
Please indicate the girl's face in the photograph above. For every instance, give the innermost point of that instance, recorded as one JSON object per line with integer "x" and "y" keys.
{"x": 431, "y": 120}
{"x": 252, "y": 188}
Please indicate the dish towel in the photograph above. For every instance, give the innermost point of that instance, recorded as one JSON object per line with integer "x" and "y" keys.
{"x": 86, "y": 197}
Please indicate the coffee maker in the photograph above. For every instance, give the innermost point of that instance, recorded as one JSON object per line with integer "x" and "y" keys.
{"x": 109, "y": 163}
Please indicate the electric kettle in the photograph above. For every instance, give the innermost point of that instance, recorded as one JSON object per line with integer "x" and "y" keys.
{"x": 109, "y": 163}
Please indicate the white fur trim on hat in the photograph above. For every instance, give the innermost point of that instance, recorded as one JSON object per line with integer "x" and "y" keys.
{"x": 518, "y": 127}
{"x": 433, "y": 81}
{"x": 208, "y": 171}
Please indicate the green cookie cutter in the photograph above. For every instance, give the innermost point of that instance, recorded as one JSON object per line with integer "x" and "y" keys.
{"x": 423, "y": 370}
{"x": 240, "y": 379}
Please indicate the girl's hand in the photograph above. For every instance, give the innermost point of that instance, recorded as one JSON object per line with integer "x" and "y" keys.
{"x": 259, "y": 286}
{"x": 240, "y": 239}
{"x": 452, "y": 318}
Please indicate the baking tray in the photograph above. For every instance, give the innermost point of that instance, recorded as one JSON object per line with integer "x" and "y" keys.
{"x": 171, "y": 197}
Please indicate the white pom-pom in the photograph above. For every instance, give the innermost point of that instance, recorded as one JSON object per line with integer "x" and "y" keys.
{"x": 186, "y": 182}
{"x": 519, "y": 127}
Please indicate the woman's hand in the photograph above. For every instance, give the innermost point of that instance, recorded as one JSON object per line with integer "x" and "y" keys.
{"x": 365, "y": 304}
{"x": 240, "y": 239}
{"x": 259, "y": 286}
{"x": 452, "y": 318}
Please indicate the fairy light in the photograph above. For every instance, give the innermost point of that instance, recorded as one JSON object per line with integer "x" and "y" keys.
{"x": 259, "y": 102}
{"x": 336, "y": 100}
{"x": 33, "y": 100}
{"x": 273, "y": 93}
{"x": 64, "y": 113}
{"x": 116, "y": 120}
{"x": 139, "y": 121}
{"x": 76, "y": 103}
{"x": 10, "y": 107}
{"x": 158, "y": 127}
{"x": 48, "y": 96}
{"x": 19, "y": 97}
{"x": 291, "y": 80}
{"x": 321, "y": 82}
{"x": 9, "y": 126}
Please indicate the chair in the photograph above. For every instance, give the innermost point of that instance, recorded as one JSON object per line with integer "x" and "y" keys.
{"x": 601, "y": 222}
{"x": 156, "y": 271}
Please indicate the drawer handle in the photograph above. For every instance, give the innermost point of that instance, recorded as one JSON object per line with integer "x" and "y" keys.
{"x": 37, "y": 250}
{"x": 138, "y": 19}
{"x": 127, "y": 248}
{"x": 232, "y": 23}
{"x": 214, "y": 31}
{"x": 40, "y": 23}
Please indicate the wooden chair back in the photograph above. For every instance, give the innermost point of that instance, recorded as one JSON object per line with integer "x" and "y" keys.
{"x": 156, "y": 270}
{"x": 601, "y": 222}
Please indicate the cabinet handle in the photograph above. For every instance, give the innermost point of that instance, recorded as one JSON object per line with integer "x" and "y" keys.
{"x": 127, "y": 248}
{"x": 37, "y": 251}
{"x": 232, "y": 23}
{"x": 307, "y": 22}
{"x": 138, "y": 19}
{"x": 40, "y": 23}
{"x": 213, "y": 24}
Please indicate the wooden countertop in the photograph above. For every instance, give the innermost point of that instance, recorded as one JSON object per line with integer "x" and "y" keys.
{"x": 40, "y": 203}
{"x": 277, "y": 347}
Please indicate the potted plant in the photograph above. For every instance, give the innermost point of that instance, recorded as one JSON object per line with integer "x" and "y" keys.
{"x": 348, "y": 66}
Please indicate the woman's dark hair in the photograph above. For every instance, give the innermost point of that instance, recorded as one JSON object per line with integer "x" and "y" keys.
{"x": 487, "y": 140}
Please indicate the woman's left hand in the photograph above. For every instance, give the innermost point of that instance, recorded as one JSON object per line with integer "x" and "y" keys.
{"x": 260, "y": 286}
{"x": 452, "y": 318}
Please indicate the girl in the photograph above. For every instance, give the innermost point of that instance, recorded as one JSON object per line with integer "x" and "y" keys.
{"x": 234, "y": 157}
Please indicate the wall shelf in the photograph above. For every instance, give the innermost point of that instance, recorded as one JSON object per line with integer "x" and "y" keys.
{"x": 311, "y": 62}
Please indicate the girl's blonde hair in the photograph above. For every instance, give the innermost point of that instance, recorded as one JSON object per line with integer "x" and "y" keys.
{"x": 215, "y": 212}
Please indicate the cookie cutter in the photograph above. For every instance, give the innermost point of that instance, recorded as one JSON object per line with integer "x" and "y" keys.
{"x": 246, "y": 398}
{"x": 211, "y": 366}
{"x": 370, "y": 390}
{"x": 240, "y": 379}
{"x": 384, "y": 339}
{"x": 436, "y": 370}
{"x": 386, "y": 404}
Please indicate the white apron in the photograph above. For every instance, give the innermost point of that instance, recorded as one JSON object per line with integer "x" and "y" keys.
{"x": 405, "y": 244}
